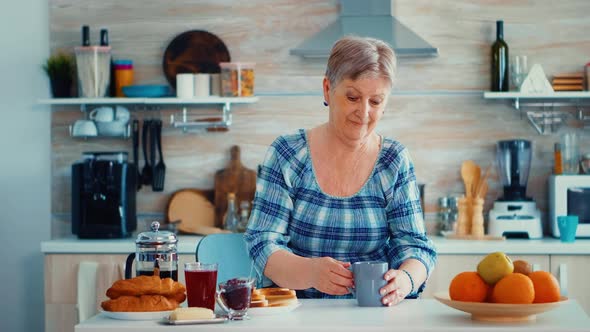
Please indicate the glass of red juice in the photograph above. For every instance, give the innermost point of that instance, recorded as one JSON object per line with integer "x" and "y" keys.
{"x": 234, "y": 296}
{"x": 201, "y": 283}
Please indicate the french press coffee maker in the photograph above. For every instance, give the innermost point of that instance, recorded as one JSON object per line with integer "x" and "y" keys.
{"x": 154, "y": 249}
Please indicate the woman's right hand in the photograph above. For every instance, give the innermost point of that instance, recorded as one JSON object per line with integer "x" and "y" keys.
{"x": 331, "y": 276}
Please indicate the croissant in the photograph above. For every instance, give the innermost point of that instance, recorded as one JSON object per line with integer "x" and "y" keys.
{"x": 140, "y": 303}
{"x": 148, "y": 285}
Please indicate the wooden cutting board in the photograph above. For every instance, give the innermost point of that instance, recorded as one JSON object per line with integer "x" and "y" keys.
{"x": 194, "y": 210}
{"x": 237, "y": 179}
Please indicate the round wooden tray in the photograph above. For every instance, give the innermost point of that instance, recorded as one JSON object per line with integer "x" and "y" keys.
{"x": 194, "y": 51}
{"x": 499, "y": 312}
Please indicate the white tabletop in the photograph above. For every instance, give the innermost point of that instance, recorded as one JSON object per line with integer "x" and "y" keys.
{"x": 345, "y": 315}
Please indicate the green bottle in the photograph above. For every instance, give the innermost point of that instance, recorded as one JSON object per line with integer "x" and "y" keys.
{"x": 500, "y": 70}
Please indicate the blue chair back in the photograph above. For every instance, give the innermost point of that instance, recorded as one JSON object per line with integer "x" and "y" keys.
{"x": 229, "y": 251}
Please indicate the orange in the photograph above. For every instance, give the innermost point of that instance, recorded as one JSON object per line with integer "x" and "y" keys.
{"x": 514, "y": 288}
{"x": 546, "y": 287}
{"x": 468, "y": 287}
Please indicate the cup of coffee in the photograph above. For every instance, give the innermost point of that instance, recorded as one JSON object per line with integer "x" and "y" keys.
{"x": 201, "y": 282}
{"x": 567, "y": 228}
{"x": 234, "y": 295}
{"x": 368, "y": 281}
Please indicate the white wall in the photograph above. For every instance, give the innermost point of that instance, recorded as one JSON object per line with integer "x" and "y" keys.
{"x": 24, "y": 163}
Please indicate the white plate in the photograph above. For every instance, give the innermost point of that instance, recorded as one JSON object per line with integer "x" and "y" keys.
{"x": 147, "y": 315}
{"x": 268, "y": 311}
{"x": 216, "y": 320}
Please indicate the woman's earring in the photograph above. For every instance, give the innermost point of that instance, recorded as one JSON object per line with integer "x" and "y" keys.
{"x": 325, "y": 103}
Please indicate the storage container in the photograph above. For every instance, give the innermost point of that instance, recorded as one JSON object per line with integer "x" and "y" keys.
{"x": 237, "y": 79}
{"x": 123, "y": 76}
{"x": 93, "y": 64}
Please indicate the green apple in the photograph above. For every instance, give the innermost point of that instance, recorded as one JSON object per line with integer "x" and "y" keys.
{"x": 494, "y": 267}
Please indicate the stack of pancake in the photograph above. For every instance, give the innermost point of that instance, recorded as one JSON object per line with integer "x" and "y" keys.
{"x": 272, "y": 297}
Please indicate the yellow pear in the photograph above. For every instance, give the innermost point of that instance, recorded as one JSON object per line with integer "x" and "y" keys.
{"x": 494, "y": 267}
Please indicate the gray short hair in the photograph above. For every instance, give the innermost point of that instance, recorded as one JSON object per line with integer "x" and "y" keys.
{"x": 355, "y": 57}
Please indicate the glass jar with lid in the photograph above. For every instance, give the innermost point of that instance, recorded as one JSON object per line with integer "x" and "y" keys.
{"x": 154, "y": 249}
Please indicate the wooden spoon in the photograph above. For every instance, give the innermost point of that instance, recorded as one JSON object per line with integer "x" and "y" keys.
{"x": 476, "y": 179}
{"x": 467, "y": 173}
{"x": 482, "y": 180}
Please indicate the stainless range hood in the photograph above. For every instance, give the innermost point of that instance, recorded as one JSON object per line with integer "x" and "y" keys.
{"x": 370, "y": 18}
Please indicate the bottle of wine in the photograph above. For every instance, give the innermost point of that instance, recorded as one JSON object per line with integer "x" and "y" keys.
{"x": 500, "y": 70}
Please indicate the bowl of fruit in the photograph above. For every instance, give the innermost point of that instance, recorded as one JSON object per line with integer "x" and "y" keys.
{"x": 501, "y": 290}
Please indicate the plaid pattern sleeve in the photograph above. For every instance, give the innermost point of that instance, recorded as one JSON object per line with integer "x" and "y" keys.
{"x": 404, "y": 215}
{"x": 382, "y": 221}
{"x": 271, "y": 211}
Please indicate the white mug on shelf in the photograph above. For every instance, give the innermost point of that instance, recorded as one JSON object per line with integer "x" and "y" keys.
{"x": 83, "y": 128}
{"x": 102, "y": 114}
{"x": 201, "y": 85}
{"x": 184, "y": 86}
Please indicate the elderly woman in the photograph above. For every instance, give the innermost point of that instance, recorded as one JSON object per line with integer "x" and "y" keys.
{"x": 340, "y": 193}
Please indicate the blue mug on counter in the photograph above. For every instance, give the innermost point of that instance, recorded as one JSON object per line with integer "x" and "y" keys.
{"x": 368, "y": 280}
{"x": 567, "y": 228}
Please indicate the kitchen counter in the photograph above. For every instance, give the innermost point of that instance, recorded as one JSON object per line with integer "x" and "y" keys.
{"x": 187, "y": 245}
{"x": 345, "y": 315}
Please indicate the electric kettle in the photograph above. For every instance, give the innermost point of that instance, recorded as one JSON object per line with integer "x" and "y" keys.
{"x": 154, "y": 249}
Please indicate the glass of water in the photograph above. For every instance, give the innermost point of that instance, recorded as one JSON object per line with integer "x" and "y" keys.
{"x": 519, "y": 70}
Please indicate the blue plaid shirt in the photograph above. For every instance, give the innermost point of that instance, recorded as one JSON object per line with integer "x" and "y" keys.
{"x": 382, "y": 221}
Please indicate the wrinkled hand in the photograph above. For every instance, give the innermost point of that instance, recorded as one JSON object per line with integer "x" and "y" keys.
{"x": 331, "y": 276}
{"x": 397, "y": 288}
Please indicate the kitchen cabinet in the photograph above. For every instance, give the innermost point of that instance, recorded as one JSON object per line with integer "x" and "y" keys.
{"x": 61, "y": 275}
{"x": 572, "y": 272}
{"x": 448, "y": 266}
{"x": 177, "y": 121}
{"x": 545, "y": 116}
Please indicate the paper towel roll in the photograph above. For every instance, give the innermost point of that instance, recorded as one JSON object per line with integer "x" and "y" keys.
{"x": 201, "y": 85}
{"x": 184, "y": 85}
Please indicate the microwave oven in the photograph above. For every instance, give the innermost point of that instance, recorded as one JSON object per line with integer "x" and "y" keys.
{"x": 570, "y": 195}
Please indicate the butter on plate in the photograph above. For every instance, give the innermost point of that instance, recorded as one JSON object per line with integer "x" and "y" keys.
{"x": 191, "y": 313}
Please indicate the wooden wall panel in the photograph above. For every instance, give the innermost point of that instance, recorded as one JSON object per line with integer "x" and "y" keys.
{"x": 437, "y": 109}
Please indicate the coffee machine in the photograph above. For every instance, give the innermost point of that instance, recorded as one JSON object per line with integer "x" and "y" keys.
{"x": 514, "y": 214}
{"x": 103, "y": 196}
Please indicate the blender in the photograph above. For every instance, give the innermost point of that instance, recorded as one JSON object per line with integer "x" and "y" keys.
{"x": 514, "y": 214}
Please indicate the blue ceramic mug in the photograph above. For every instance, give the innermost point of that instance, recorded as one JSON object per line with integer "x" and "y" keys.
{"x": 368, "y": 280}
{"x": 567, "y": 228}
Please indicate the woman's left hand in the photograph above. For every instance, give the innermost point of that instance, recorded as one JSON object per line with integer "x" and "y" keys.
{"x": 397, "y": 288}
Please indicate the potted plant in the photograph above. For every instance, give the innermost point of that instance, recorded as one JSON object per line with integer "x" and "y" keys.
{"x": 61, "y": 70}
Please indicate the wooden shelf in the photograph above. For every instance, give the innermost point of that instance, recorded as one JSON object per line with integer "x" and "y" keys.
{"x": 148, "y": 101}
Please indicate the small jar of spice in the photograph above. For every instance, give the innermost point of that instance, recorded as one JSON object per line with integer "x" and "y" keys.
{"x": 237, "y": 79}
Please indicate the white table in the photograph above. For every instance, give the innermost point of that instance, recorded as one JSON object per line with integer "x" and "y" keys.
{"x": 345, "y": 315}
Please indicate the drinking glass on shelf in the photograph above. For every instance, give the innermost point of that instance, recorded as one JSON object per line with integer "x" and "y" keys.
{"x": 519, "y": 70}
